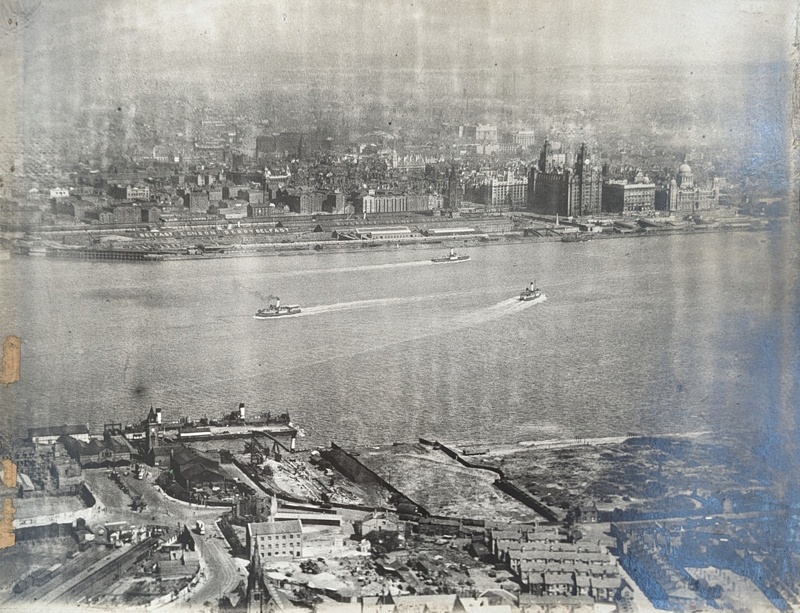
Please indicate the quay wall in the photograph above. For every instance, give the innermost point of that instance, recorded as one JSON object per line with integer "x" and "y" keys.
{"x": 152, "y": 251}
{"x": 525, "y": 498}
{"x": 104, "y": 254}
{"x": 356, "y": 471}
{"x": 505, "y": 486}
{"x": 464, "y": 462}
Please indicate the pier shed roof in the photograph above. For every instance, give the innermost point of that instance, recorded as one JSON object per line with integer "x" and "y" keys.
{"x": 261, "y": 528}
{"x": 56, "y": 431}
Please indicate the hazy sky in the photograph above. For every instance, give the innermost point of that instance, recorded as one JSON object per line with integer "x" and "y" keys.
{"x": 76, "y": 50}
{"x": 70, "y": 37}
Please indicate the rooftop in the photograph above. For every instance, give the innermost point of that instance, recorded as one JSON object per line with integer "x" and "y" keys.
{"x": 58, "y": 430}
{"x": 291, "y": 526}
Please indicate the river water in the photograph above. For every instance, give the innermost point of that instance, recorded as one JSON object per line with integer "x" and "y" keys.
{"x": 653, "y": 335}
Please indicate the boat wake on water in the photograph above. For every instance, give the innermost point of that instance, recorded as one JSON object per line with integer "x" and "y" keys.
{"x": 349, "y": 306}
{"x": 507, "y": 307}
{"x": 364, "y": 268}
{"x": 501, "y": 309}
{"x": 323, "y": 309}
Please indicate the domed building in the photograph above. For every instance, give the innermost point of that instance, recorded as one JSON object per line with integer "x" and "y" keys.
{"x": 682, "y": 196}
{"x": 685, "y": 178}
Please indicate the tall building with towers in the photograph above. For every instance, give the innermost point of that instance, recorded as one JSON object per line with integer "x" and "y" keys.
{"x": 574, "y": 191}
{"x": 453, "y": 193}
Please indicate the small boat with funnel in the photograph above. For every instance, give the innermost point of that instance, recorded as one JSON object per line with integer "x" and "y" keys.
{"x": 531, "y": 293}
{"x": 276, "y": 309}
{"x": 450, "y": 257}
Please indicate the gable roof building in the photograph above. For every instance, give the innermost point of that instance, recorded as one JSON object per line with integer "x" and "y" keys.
{"x": 275, "y": 540}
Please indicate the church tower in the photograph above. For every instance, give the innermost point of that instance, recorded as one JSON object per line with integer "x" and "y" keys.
{"x": 153, "y": 425}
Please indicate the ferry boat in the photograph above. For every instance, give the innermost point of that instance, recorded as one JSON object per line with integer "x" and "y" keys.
{"x": 275, "y": 309}
{"x": 450, "y": 257}
{"x": 531, "y": 293}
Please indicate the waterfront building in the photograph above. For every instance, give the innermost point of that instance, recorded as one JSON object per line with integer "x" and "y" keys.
{"x": 564, "y": 191}
{"x": 682, "y": 196}
{"x": 497, "y": 192}
{"x": 453, "y": 192}
{"x": 197, "y": 202}
{"x": 151, "y": 214}
{"x": 391, "y": 232}
{"x": 256, "y": 211}
{"x": 450, "y": 232}
{"x": 194, "y": 469}
{"x": 624, "y": 197}
{"x": 127, "y": 214}
{"x": 275, "y": 540}
{"x": 304, "y": 200}
{"x": 334, "y": 202}
{"x": 112, "y": 450}
{"x": 381, "y": 202}
{"x": 423, "y": 202}
{"x": 50, "y": 434}
{"x": 510, "y": 192}
{"x": 251, "y": 196}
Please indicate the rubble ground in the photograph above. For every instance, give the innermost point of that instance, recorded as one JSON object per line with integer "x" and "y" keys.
{"x": 459, "y": 492}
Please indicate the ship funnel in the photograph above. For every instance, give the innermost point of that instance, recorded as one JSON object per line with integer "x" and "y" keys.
{"x": 158, "y": 416}
{"x": 241, "y": 410}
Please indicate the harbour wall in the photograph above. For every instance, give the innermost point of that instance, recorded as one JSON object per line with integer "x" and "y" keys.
{"x": 357, "y": 472}
{"x": 150, "y": 251}
{"x": 503, "y": 484}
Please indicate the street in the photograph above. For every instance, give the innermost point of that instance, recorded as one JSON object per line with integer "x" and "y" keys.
{"x": 220, "y": 571}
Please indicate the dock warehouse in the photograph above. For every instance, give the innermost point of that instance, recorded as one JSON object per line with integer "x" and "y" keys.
{"x": 450, "y": 231}
{"x": 391, "y": 232}
{"x": 49, "y": 435}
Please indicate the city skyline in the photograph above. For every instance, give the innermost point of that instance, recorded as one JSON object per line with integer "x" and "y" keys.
{"x": 246, "y": 216}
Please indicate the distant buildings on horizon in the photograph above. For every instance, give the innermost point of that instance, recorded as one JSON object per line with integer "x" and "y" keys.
{"x": 558, "y": 187}
{"x": 305, "y": 173}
